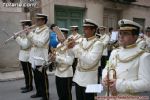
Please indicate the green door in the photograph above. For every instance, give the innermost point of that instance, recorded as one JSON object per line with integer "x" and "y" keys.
{"x": 68, "y": 16}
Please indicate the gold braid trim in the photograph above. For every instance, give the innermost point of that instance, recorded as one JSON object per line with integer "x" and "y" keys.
{"x": 59, "y": 68}
{"x": 101, "y": 39}
{"x": 81, "y": 45}
{"x": 42, "y": 29}
{"x": 128, "y": 59}
{"x": 46, "y": 43}
{"x": 94, "y": 68}
{"x": 141, "y": 39}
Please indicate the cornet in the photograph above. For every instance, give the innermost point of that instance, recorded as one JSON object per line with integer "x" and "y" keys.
{"x": 113, "y": 93}
{"x": 62, "y": 46}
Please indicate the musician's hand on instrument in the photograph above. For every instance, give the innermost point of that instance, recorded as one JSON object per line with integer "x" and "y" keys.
{"x": 53, "y": 58}
{"x": 105, "y": 81}
{"x": 112, "y": 83}
{"x": 15, "y": 36}
{"x": 71, "y": 43}
{"x": 27, "y": 30}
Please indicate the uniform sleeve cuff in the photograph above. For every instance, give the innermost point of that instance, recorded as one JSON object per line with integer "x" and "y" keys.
{"x": 119, "y": 85}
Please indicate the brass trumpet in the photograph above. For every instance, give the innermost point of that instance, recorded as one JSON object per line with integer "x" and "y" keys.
{"x": 114, "y": 93}
{"x": 64, "y": 45}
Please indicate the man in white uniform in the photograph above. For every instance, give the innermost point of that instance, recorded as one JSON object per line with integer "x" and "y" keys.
{"x": 104, "y": 38}
{"x": 74, "y": 35}
{"x": 89, "y": 52}
{"x": 25, "y": 46}
{"x": 64, "y": 71}
{"x": 130, "y": 62}
{"x": 147, "y": 39}
{"x": 39, "y": 55}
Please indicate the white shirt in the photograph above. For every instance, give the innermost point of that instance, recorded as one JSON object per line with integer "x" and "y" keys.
{"x": 105, "y": 39}
{"x": 88, "y": 53}
{"x": 40, "y": 39}
{"x": 147, "y": 40}
{"x": 141, "y": 43}
{"x": 132, "y": 75}
{"x": 25, "y": 45}
{"x": 64, "y": 61}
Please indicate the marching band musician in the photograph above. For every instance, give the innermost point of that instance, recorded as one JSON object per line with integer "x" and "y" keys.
{"x": 53, "y": 38}
{"x": 88, "y": 52}
{"x": 39, "y": 55}
{"x": 25, "y": 46}
{"x": 104, "y": 38}
{"x": 147, "y": 38}
{"x": 141, "y": 43}
{"x": 74, "y": 35}
{"x": 130, "y": 63}
{"x": 64, "y": 71}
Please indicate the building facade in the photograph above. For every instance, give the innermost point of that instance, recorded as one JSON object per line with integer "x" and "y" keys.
{"x": 71, "y": 12}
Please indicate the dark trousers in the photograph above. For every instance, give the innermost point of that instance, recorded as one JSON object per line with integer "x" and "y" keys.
{"x": 74, "y": 65}
{"x": 64, "y": 86}
{"x": 41, "y": 82}
{"x": 81, "y": 95}
{"x": 103, "y": 64}
{"x": 27, "y": 71}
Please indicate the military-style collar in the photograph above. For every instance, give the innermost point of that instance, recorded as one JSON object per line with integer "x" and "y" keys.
{"x": 91, "y": 38}
{"x": 74, "y": 34}
{"x": 130, "y": 46}
{"x": 40, "y": 29}
{"x": 42, "y": 26}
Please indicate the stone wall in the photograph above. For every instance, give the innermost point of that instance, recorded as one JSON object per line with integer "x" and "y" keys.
{"x": 9, "y": 24}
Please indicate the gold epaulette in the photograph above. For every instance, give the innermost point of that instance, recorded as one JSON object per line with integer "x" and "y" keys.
{"x": 94, "y": 68}
{"x": 66, "y": 67}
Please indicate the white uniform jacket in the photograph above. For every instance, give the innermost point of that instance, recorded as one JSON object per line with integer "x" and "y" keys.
{"x": 88, "y": 52}
{"x": 74, "y": 36}
{"x": 64, "y": 61}
{"x": 132, "y": 68}
{"x": 105, "y": 39}
{"x": 39, "y": 50}
{"x": 147, "y": 43}
{"x": 25, "y": 45}
{"x": 141, "y": 43}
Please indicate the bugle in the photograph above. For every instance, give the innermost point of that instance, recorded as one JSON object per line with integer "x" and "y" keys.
{"x": 65, "y": 44}
{"x": 113, "y": 93}
{"x": 54, "y": 50}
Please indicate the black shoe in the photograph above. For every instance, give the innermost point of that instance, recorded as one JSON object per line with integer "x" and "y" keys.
{"x": 35, "y": 96}
{"x": 23, "y": 88}
{"x": 27, "y": 90}
{"x": 44, "y": 99}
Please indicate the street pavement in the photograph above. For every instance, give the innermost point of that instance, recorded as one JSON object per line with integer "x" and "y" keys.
{"x": 10, "y": 90}
{"x": 10, "y": 84}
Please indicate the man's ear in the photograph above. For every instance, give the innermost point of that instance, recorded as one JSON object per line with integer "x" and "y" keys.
{"x": 136, "y": 37}
{"x": 94, "y": 30}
